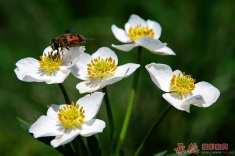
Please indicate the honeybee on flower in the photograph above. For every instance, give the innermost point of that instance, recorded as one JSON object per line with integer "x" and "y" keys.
{"x": 53, "y": 67}
{"x": 67, "y": 40}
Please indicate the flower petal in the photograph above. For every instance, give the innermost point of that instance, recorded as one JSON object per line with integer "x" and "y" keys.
{"x": 92, "y": 127}
{"x": 204, "y": 95}
{"x": 88, "y": 86}
{"x": 208, "y": 93}
{"x": 125, "y": 47}
{"x": 79, "y": 70}
{"x": 70, "y": 57}
{"x": 104, "y": 53}
{"x": 46, "y": 126}
{"x": 161, "y": 75}
{"x": 91, "y": 104}
{"x": 53, "y": 111}
{"x": 133, "y": 21}
{"x": 196, "y": 100}
{"x": 164, "y": 51}
{"x": 58, "y": 76}
{"x": 176, "y": 72}
{"x": 65, "y": 138}
{"x": 121, "y": 72}
{"x": 156, "y": 28}
{"x": 28, "y": 70}
{"x": 150, "y": 43}
{"x": 171, "y": 99}
{"x": 120, "y": 34}
{"x": 126, "y": 70}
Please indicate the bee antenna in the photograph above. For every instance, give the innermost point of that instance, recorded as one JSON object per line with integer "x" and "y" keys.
{"x": 89, "y": 39}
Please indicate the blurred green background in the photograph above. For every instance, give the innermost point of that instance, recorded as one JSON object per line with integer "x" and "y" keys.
{"x": 201, "y": 33}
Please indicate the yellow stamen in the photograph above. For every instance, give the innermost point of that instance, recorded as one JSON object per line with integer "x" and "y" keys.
{"x": 140, "y": 31}
{"x": 182, "y": 85}
{"x": 100, "y": 68}
{"x": 50, "y": 63}
{"x": 71, "y": 116}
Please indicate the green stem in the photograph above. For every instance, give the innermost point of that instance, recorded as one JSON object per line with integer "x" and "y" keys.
{"x": 76, "y": 146}
{"x": 66, "y": 97}
{"x": 129, "y": 107}
{"x": 84, "y": 147}
{"x": 111, "y": 123}
{"x": 149, "y": 134}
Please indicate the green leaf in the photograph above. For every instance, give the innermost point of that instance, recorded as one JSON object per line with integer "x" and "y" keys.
{"x": 93, "y": 144}
{"x": 161, "y": 153}
{"x": 175, "y": 154}
{"x": 66, "y": 149}
{"x": 25, "y": 125}
{"x": 35, "y": 117}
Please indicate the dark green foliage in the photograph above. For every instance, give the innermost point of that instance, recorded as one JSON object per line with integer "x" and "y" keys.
{"x": 201, "y": 33}
{"x": 93, "y": 145}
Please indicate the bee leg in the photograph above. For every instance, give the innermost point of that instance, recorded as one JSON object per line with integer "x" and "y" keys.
{"x": 67, "y": 48}
{"x": 62, "y": 51}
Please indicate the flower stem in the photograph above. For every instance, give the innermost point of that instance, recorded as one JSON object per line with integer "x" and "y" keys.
{"x": 129, "y": 107}
{"x": 84, "y": 147}
{"x": 76, "y": 146}
{"x": 66, "y": 97}
{"x": 149, "y": 134}
{"x": 111, "y": 123}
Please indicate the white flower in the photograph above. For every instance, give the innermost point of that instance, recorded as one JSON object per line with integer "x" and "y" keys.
{"x": 65, "y": 122}
{"x": 142, "y": 33}
{"x": 182, "y": 90}
{"x": 52, "y": 68}
{"x": 100, "y": 69}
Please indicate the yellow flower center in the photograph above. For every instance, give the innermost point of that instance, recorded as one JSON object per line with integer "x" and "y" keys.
{"x": 71, "y": 116}
{"x": 100, "y": 68}
{"x": 182, "y": 85}
{"x": 50, "y": 63}
{"x": 140, "y": 31}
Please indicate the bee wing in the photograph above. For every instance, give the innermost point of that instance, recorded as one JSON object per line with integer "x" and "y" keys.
{"x": 70, "y": 30}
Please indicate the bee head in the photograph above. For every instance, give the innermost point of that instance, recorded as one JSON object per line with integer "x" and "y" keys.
{"x": 55, "y": 45}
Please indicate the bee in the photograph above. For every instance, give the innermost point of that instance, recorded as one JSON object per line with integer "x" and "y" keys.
{"x": 67, "y": 40}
